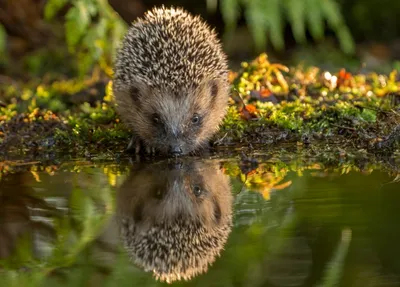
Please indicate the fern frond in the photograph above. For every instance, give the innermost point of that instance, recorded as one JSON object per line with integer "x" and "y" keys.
{"x": 295, "y": 10}
{"x": 346, "y": 40}
{"x": 314, "y": 18}
{"x": 230, "y": 13}
{"x": 258, "y": 25}
{"x": 335, "y": 21}
{"x": 3, "y": 37}
{"x": 275, "y": 22}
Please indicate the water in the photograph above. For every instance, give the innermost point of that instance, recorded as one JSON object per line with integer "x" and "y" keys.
{"x": 213, "y": 222}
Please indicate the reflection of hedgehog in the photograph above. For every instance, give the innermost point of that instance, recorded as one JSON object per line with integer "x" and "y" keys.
{"x": 171, "y": 84}
{"x": 175, "y": 221}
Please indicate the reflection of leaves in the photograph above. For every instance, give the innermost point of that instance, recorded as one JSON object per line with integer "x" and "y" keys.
{"x": 334, "y": 269}
{"x": 264, "y": 183}
{"x": 89, "y": 208}
{"x": 249, "y": 205}
{"x": 35, "y": 175}
{"x": 262, "y": 179}
{"x": 397, "y": 178}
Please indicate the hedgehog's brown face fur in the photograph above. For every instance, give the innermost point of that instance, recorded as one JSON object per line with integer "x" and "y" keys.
{"x": 171, "y": 84}
{"x": 168, "y": 120}
{"x": 175, "y": 221}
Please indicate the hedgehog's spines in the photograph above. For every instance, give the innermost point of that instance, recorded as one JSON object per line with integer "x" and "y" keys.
{"x": 169, "y": 47}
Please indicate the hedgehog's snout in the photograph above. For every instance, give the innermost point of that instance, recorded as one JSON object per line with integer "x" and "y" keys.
{"x": 176, "y": 146}
{"x": 175, "y": 150}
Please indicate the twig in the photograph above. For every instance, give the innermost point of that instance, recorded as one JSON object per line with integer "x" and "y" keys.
{"x": 395, "y": 112}
{"x": 390, "y": 140}
{"x": 348, "y": 128}
{"x": 221, "y": 139}
{"x": 372, "y": 109}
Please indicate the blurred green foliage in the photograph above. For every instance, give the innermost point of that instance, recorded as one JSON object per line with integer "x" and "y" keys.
{"x": 91, "y": 41}
{"x": 93, "y": 30}
{"x": 266, "y": 19}
{"x": 372, "y": 20}
{"x": 3, "y": 39}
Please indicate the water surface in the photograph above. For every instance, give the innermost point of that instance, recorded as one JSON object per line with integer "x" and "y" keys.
{"x": 199, "y": 223}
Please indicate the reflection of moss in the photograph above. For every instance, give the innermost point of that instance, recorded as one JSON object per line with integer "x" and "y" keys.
{"x": 270, "y": 103}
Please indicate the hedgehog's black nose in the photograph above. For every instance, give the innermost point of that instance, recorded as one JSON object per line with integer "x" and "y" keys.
{"x": 176, "y": 150}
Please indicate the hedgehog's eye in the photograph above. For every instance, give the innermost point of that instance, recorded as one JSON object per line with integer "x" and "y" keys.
{"x": 196, "y": 119}
{"x": 197, "y": 190}
{"x": 159, "y": 194}
{"x": 156, "y": 119}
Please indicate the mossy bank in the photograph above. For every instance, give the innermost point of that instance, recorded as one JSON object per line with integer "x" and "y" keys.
{"x": 271, "y": 107}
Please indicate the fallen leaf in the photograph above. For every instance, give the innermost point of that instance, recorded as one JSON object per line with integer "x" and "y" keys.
{"x": 249, "y": 112}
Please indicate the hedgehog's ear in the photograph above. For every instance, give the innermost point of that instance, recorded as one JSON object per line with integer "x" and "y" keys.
{"x": 210, "y": 86}
{"x": 214, "y": 87}
{"x": 137, "y": 89}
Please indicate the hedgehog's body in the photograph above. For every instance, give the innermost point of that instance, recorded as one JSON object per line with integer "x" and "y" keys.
{"x": 175, "y": 221}
{"x": 171, "y": 84}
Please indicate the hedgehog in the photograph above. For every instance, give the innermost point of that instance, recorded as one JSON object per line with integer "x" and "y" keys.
{"x": 174, "y": 220}
{"x": 171, "y": 82}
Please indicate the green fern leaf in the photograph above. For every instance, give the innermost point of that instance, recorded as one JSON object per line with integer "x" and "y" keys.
{"x": 346, "y": 40}
{"x": 230, "y": 13}
{"x": 256, "y": 20}
{"x": 52, "y": 7}
{"x": 295, "y": 10}
{"x": 332, "y": 14}
{"x": 3, "y": 37}
{"x": 335, "y": 20}
{"x": 77, "y": 21}
{"x": 274, "y": 21}
{"x": 314, "y": 18}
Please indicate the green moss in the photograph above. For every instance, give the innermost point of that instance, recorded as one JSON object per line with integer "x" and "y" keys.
{"x": 270, "y": 104}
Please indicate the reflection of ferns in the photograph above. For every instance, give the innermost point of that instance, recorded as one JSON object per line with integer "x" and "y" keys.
{"x": 266, "y": 18}
{"x": 49, "y": 239}
{"x": 334, "y": 270}
{"x": 18, "y": 203}
{"x": 249, "y": 206}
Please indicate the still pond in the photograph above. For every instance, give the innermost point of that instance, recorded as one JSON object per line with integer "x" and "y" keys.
{"x": 197, "y": 222}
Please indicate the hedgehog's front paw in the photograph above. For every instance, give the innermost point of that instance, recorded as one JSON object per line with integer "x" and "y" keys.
{"x": 134, "y": 146}
{"x": 150, "y": 150}
{"x": 137, "y": 146}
